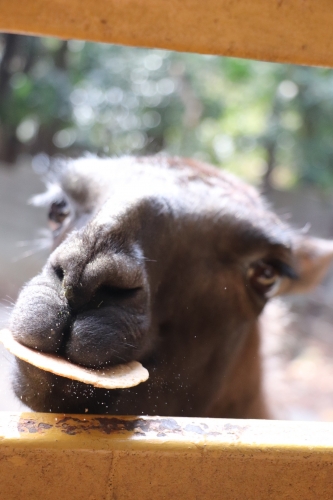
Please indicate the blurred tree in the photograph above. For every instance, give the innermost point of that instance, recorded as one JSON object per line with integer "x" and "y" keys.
{"x": 270, "y": 123}
{"x": 30, "y": 101}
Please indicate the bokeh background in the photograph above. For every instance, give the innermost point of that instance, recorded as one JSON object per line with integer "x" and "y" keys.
{"x": 271, "y": 124}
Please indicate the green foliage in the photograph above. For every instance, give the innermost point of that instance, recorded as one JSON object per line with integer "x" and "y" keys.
{"x": 260, "y": 120}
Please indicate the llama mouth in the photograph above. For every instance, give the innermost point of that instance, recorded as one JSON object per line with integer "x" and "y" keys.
{"x": 120, "y": 376}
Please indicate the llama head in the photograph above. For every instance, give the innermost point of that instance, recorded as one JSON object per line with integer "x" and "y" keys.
{"x": 165, "y": 261}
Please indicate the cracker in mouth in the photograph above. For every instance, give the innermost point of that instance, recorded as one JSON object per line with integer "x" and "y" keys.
{"x": 116, "y": 377}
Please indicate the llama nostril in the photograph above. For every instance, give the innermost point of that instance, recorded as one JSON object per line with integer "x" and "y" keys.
{"x": 59, "y": 272}
{"x": 69, "y": 292}
{"x": 67, "y": 287}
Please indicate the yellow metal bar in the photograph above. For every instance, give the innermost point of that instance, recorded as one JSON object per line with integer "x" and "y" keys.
{"x": 70, "y": 457}
{"x": 294, "y": 31}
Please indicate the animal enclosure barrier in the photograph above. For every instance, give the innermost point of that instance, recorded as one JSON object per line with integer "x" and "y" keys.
{"x": 100, "y": 457}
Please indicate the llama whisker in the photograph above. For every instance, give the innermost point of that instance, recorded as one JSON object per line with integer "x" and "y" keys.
{"x": 36, "y": 245}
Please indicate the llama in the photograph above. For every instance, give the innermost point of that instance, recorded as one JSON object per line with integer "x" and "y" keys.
{"x": 167, "y": 261}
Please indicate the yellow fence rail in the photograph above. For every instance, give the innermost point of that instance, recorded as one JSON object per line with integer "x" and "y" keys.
{"x": 294, "y": 31}
{"x": 68, "y": 457}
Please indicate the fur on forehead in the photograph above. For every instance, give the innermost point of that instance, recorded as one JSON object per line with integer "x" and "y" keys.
{"x": 85, "y": 182}
{"x": 72, "y": 175}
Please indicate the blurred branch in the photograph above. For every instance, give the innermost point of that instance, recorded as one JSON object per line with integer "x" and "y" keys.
{"x": 11, "y": 43}
{"x": 270, "y": 145}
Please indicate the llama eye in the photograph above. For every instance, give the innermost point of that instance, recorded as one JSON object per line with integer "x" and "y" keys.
{"x": 58, "y": 212}
{"x": 263, "y": 277}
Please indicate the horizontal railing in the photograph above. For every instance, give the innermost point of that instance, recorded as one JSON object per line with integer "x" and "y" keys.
{"x": 53, "y": 456}
{"x": 293, "y": 31}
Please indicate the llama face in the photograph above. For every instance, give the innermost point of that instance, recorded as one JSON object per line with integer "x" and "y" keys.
{"x": 168, "y": 262}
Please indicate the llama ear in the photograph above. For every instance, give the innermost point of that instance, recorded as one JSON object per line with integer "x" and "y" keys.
{"x": 312, "y": 259}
